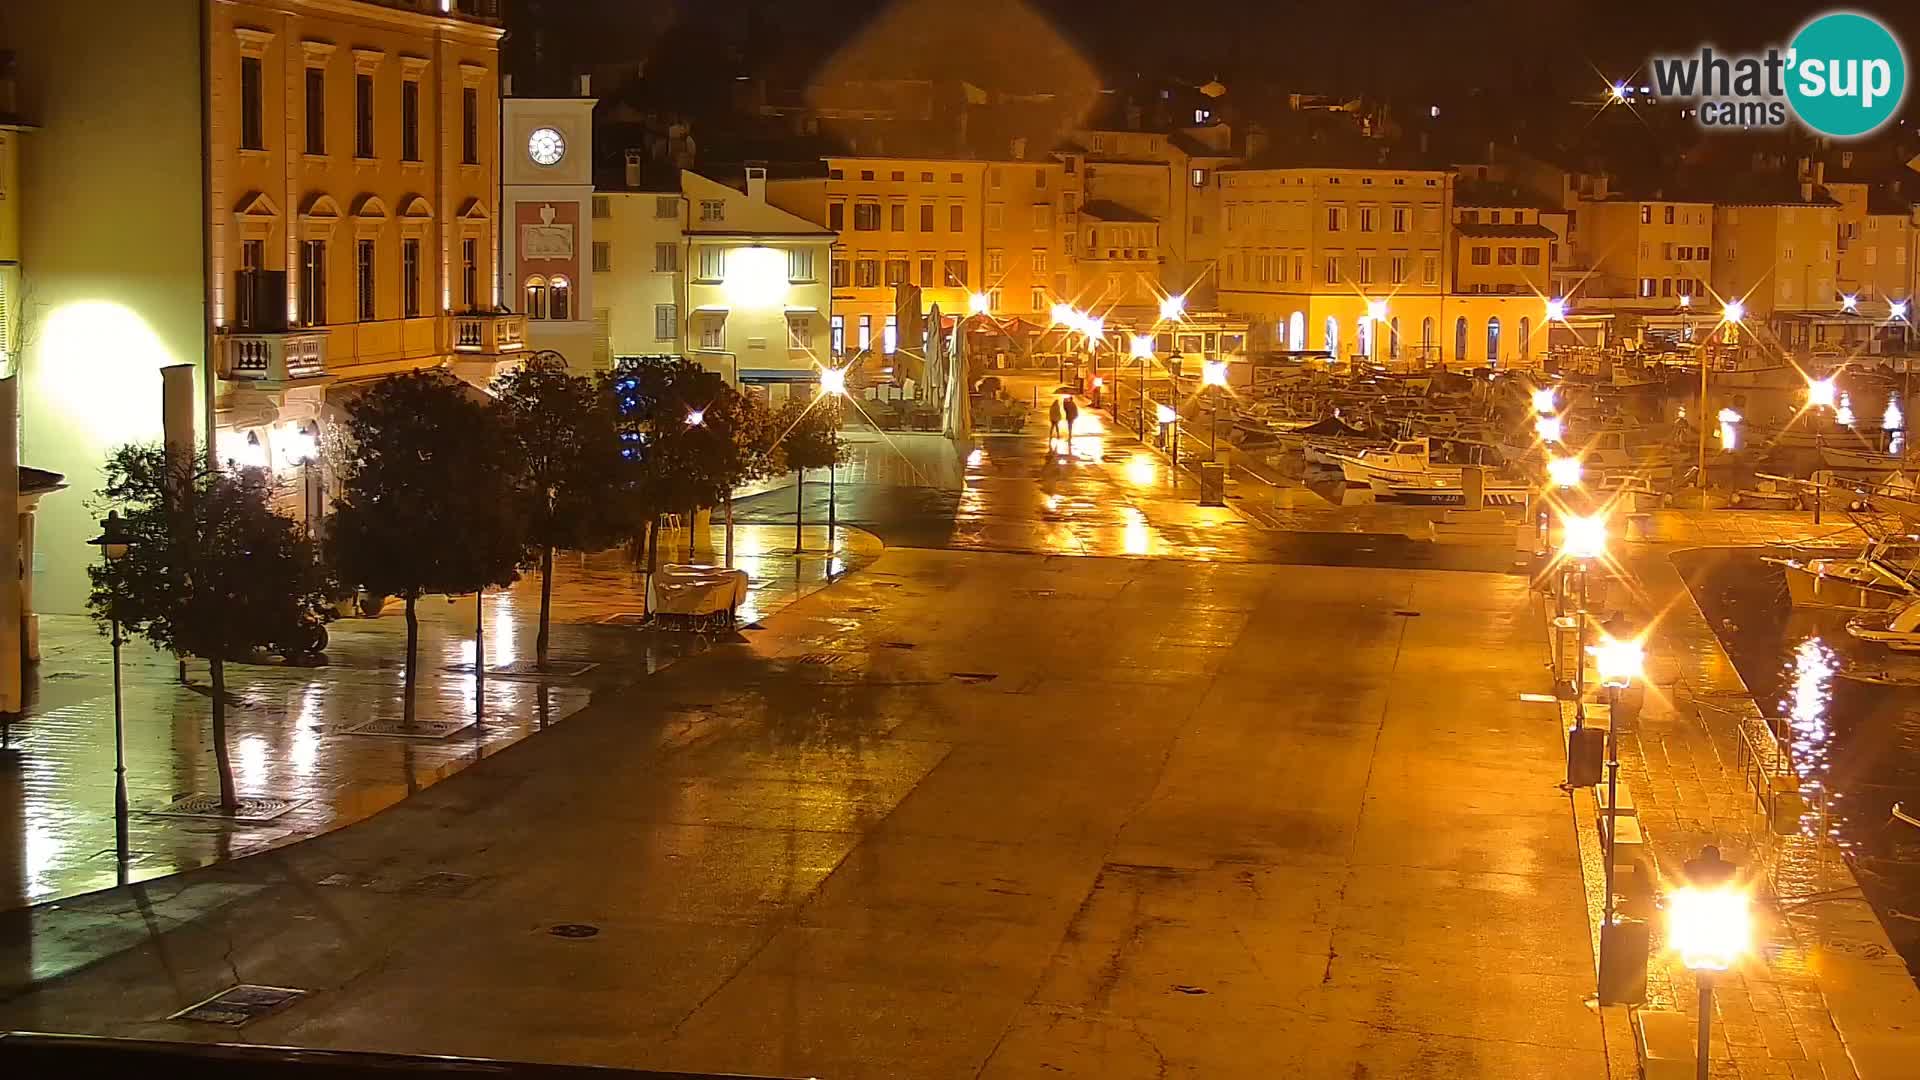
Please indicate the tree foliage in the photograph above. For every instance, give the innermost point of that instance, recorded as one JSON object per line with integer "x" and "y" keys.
{"x": 429, "y": 501}
{"x": 210, "y": 569}
{"x": 808, "y": 434}
{"x": 687, "y": 437}
{"x": 560, "y": 426}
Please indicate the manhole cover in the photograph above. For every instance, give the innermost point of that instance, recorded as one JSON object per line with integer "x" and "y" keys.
{"x": 560, "y": 668}
{"x": 821, "y": 659}
{"x": 203, "y": 805}
{"x": 625, "y": 618}
{"x": 394, "y": 727}
{"x": 896, "y": 644}
{"x": 575, "y": 930}
{"x": 238, "y": 1004}
{"x": 973, "y": 676}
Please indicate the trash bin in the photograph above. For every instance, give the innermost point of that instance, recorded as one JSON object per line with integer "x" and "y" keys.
{"x": 1213, "y": 484}
{"x": 1586, "y": 753}
{"x": 1623, "y": 962}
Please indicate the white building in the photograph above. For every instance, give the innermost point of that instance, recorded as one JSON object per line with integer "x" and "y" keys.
{"x": 639, "y": 254}
{"x": 758, "y": 303}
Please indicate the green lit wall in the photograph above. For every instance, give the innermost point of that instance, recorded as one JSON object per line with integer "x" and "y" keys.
{"x": 111, "y": 246}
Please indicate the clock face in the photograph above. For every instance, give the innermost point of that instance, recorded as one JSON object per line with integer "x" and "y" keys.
{"x": 546, "y": 146}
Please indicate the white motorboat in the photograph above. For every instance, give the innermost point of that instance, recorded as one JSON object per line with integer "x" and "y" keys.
{"x": 1403, "y": 460}
{"x": 1896, "y": 495}
{"x": 1448, "y": 489}
{"x": 1881, "y": 576}
{"x": 1899, "y": 630}
{"x": 1848, "y": 459}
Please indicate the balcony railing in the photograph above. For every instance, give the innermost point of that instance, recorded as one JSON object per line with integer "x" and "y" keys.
{"x": 282, "y": 357}
{"x": 489, "y": 333}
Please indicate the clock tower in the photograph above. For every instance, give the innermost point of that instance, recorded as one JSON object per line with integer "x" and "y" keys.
{"x": 546, "y": 209}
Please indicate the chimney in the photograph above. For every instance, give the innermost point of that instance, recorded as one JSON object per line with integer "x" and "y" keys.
{"x": 1806, "y": 168}
{"x": 506, "y": 85}
{"x": 634, "y": 158}
{"x": 1819, "y": 172}
{"x": 1806, "y": 191}
{"x": 757, "y": 183}
{"x": 586, "y": 86}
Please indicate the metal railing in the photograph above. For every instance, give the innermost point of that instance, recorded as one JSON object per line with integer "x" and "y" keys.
{"x": 25, "y": 1054}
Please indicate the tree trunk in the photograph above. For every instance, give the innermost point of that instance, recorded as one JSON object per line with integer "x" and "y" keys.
{"x": 413, "y": 662}
{"x": 799, "y": 509}
{"x": 546, "y": 606}
{"x": 222, "y": 764}
{"x": 653, "y": 544}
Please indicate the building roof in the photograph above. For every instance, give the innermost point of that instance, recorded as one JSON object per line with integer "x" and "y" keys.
{"x": 1504, "y": 232}
{"x": 1108, "y": 210}
{"x": 1474, "y": 193}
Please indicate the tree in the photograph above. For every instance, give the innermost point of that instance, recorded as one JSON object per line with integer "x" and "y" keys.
{"x": 428, "y": 501}
{"x": 809, "y": 438}
{"x": 687, "y": 437}
{"x": 561, "y": 428}
{"x": 210, "y": 570}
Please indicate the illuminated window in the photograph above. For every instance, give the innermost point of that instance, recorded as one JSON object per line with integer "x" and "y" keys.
{"x": 866, "y": 332}
{"x": 1493, "y": 339}
{"x": 837, "y": 330}
{"x": 890, "y": 335}
{"x": 1333, "y": 335}
{"x": 536, "y": 297}
{"x": 1460, "y": 340}
{"x": 1525, "y": 339}
{"x": 800, "y": 265}
{"x": 560, "y": 300}
{"x": 841, "y": 273}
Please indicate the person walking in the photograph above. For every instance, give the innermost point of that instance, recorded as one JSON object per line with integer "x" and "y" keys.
{"x": 1055, "y": 414}
{"x": 1072, "y": 412}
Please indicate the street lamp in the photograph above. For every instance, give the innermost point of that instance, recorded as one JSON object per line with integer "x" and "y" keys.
{"x": 833, "y": 383}
{"x": 1820, "y": 393}
{"x": 1543, "y": 401}
{"x": 114, "y": 543}
{"x": 1549, "y": 429}
{"x": 1142, "y": 351}
{"x": 696, "y": 417}
{"x": 1172, "y": 308}
{"x": 979, "y": 304}
{"x": 1213, "y": 374}
{"x": 1582, "y": 540}
{"x": 299, "y": 447}
{"x": 1564, "y": 471}
{"x": 1710, "y": 924}
{"x": 1849, "y": 303}
{"x": 1617, "y": 662}
{"x": 1376, "y": 315}
{"x": 1557, "y": 310}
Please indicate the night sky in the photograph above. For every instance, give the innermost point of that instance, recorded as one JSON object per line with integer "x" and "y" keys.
{"x": 1386, "y": 47}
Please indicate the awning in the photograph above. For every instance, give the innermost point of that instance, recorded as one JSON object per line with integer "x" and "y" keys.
{"x": 779, "y": 375}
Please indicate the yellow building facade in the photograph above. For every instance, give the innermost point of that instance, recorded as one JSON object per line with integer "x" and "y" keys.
{"x": 955, "y": 228}
{"x": 320, "y": 211}
{"x": 1654, "y": 251}
{"x": 1360, "y": 263}
{"x": 1778, "y": 257}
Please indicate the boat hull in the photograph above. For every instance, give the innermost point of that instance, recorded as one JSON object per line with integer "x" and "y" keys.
{"x": 1808, "y": 588}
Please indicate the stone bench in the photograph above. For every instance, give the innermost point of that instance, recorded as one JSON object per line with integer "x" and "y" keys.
{"x": 1632, "y": 866}
{"x": 1627, "y": 809}
{"x": 1664, "y": 1040}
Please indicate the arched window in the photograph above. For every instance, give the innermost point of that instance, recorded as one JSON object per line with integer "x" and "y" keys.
{"x": 1460, "y": 341}
{"x": 536, "y": 304}
{"x": 1426, "y": 338}
{"x": 1393, "y": 339}
{"x": 1526, "y": 336}
{"x": 1297, "y": 331}
{"x": 1493, "y": 340}
{"x": 561, "y": 306}
{"x": 1333, "y": 337}
{"x": 1362, "y": 337}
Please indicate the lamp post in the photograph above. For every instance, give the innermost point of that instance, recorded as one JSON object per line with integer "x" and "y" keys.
{"x": 1731, "y": 313}
{"x": 1583, "y": 539}
{"x": 1710, "y": 924}
{"x": 833, "y": 383}
{"x": 1142, "y": 350}
{"x": 114, "y": 543}
{"x": 1213, "y": 376}
{"x": 1617, "y": 663}
{"x": 1376, "y": 314}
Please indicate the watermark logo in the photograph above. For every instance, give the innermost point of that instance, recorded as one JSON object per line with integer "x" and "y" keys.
{"x": 1843, "y": 75}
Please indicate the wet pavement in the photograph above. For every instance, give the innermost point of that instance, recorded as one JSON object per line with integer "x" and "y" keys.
{"x": 292, "y": 728}
{"x": 961, "y": 815}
